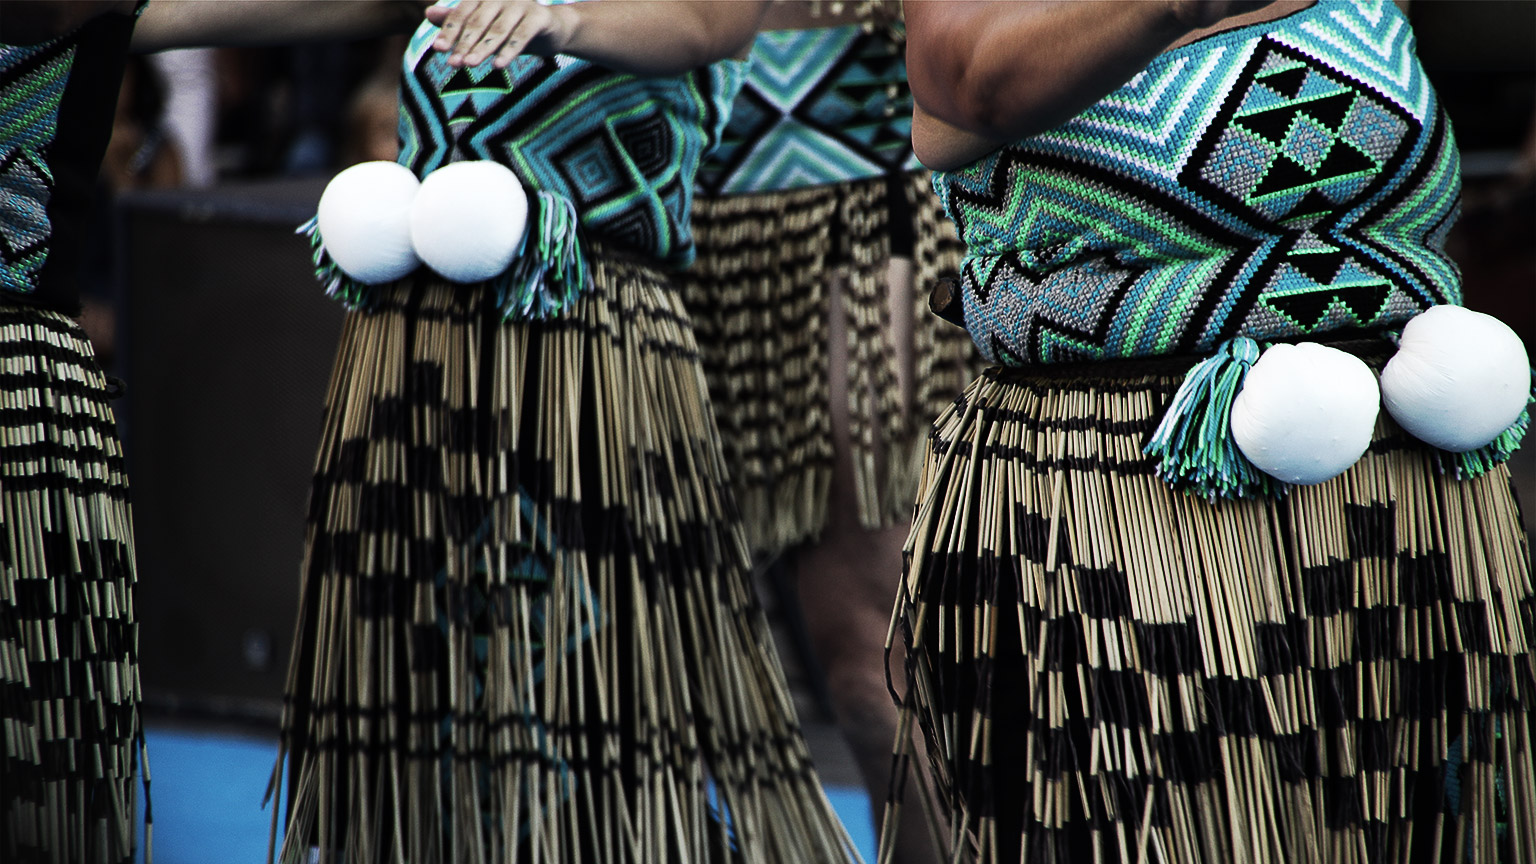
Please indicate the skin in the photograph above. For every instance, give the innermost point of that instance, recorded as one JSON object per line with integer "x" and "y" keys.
{"x": 844, "y": 581}
{"x": 844, "y": 578}
{"x": 639, "y": 38}
{"x": 984, "y": 73}
{"x": 655, "y": 38}
{"x": 192, "y": 23}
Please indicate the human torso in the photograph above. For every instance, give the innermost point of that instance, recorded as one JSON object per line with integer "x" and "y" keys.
{"x": 1275, "y": 181}
{"x": 56, "y": 107}
{"x": 624, "y": 149}
{"x": 825, "y": 101}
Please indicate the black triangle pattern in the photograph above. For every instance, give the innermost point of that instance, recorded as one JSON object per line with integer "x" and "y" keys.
{"x": 625, "y": 156}
{"x": 1286, "y": 82}
{"x": 1320, "y": 267}
{"x": 1310, "y": 204}
{"x": 1235, "y": 188}
{"x": 1307, "y": 308}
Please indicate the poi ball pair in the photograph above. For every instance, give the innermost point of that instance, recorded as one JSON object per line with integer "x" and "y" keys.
{"x": 465, "y": 221}
{"x": 1307, "y": 412}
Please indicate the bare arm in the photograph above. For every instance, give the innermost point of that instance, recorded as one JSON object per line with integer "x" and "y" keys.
{"x": 1007, "y": 70}
{"x": 27, "y": 22}
{"x": 666, "y": 37}
{"x": 183, "y": 23}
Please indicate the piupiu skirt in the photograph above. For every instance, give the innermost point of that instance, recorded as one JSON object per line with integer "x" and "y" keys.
{"x": 527, "y": 631}
{"x": 760, "y": 295}
{"x": 1108, "y": 670}
{"x": 69, "y": 675}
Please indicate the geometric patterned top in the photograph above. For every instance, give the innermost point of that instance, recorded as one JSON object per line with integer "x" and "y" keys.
{"x": 624, "y": 149}
{"x": 1274, "y": 181}
{"x": 49, "y": 158}
{"x": 820, "y": 106}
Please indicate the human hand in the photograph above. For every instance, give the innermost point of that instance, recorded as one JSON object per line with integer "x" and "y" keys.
{"x": 476, "y": 30}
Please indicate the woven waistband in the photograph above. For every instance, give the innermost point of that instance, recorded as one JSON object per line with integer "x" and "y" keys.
{"x": 1374, "y": 349}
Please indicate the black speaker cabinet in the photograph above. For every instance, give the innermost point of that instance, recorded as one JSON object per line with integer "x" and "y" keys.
{"x": 225, "y": 342}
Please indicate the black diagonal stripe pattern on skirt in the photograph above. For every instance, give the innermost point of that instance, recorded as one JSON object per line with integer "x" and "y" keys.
{"x": 527, "y": 631}
{"x": 69, "y": 675}
{"x": 759, "y": 295}
{"x": 1106, "y": 670}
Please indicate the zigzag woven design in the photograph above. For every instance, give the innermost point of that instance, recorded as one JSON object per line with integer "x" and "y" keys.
{"x": 820, "y": 106}
{"x": 624, "y": 149}
{"x": 1273, "y": 181}
{"x": 32, "y": 80}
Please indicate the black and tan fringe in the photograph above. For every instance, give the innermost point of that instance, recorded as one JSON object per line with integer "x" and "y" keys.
{"x": 759, "y": 295}
{"x": 527, "y": 631}
{"x": 1105, "y": 670}
{"x": 69, "y": 676}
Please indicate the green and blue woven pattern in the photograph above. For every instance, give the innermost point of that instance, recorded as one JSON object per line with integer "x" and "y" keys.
{"x": 624, "y": 149}
{"x": 32, "y": 80}
{"x": 1275, "y": 181}
{"x": 820, "y": 106}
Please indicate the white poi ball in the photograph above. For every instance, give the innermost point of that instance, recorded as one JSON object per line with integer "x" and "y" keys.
{"x": 364, "y": 220}
{"x": 1306, "y": 412}
{"x": 1458, "y": 379}
{"x": 468, "y": 220}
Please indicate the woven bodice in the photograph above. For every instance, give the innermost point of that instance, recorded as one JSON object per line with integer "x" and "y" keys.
{"x": 624, "y": 149}
{"x": 1274, "y": 181}
{"x": 823, "y": 105}
{"x": 56, "y": 106}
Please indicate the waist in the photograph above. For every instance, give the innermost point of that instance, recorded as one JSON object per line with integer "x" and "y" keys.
{"x": 1104, "y": 307}
{"x": 1374, "y": 349}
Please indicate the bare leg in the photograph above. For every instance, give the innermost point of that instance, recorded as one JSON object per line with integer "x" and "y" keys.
{"x": 846, "y": 585}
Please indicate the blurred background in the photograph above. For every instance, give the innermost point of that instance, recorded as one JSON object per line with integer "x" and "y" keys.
{"x": 202, "y": 298}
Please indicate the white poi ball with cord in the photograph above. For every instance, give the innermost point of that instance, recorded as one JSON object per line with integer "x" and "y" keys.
{"x": 469, "y": 219}
{"x": 1459, "y": 378}
{"x": 364, "y": 221}
{"x": 1306, "y": 412}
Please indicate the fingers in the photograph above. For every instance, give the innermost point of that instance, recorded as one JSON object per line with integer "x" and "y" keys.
{"x": 479, "y": 29}
{"x": 516, "y": 40}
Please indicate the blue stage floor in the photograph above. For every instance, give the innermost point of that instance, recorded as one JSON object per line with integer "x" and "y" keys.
{"x": 207, "y": 789}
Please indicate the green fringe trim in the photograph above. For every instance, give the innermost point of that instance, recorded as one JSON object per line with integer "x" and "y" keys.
{"x": 338, "y": 285}
{"x": 1475, "y": 463}
{"x": 549, "y": 272}
{"x": 1193, "y": 444}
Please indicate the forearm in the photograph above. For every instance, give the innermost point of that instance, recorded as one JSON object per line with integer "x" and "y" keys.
{"x": 642, "y": 38}
{"x": 27, "y": 22}
{"x": 185, "y": 23}
{"x": 1007, "y": 70}
{"x": 662, "y": 38}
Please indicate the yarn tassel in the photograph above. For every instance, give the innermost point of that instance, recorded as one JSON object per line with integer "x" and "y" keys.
{"x": 550, "y": 270}
{"x": 547, "y": 275}
{"x": 1193, "y": 444}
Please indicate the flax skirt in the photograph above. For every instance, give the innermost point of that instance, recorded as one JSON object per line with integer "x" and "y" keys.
{"x": 526, "y": 631}
{"x": 1106, "y": 670}
{"x": 69, "y": 677}
{"x": 760, "y": 295}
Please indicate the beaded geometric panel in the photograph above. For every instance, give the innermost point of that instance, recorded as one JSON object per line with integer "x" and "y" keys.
{"x": 32, "y": 81}
{"x": 624, "y": 149}
{"x": 1274, "y": 181}
{"x": 819, "y": 106}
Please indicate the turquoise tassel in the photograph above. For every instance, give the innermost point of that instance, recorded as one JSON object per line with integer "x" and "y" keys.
{"x": 1193, "y": 444}
{"x": 550, "y": 270}
{"x": 547, "y": 275}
